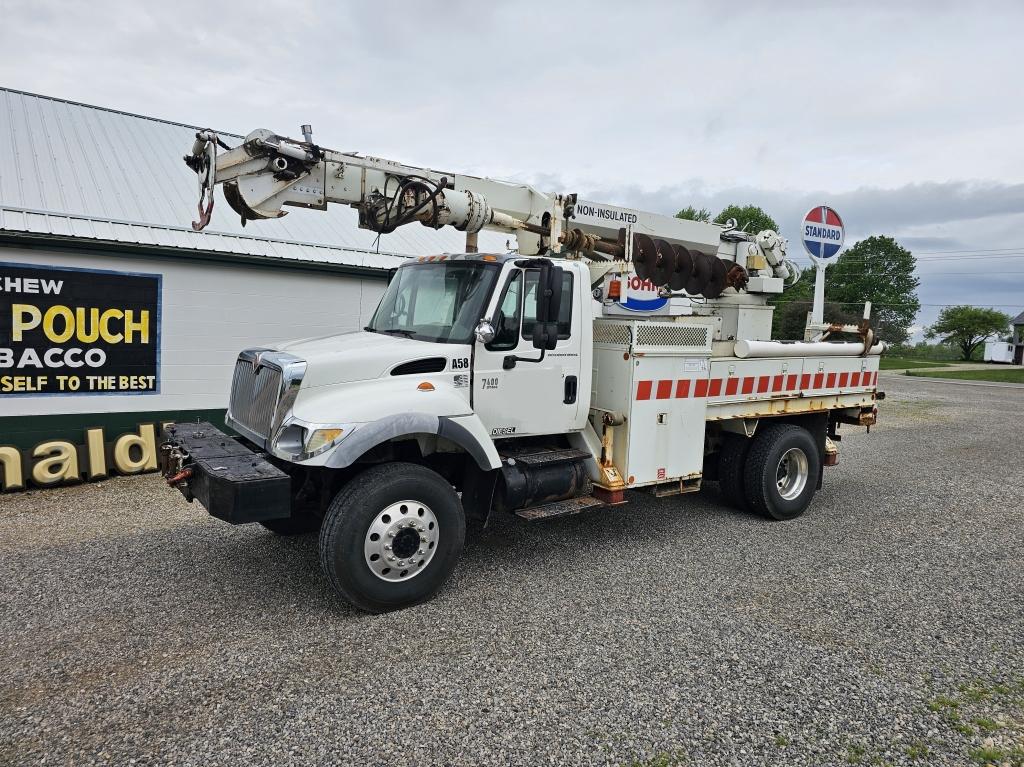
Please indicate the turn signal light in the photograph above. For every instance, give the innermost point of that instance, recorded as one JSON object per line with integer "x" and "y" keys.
{"x": 426, "y": 386}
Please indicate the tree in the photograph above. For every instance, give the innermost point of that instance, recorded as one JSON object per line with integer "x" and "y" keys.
{"x": 967, "y": 327}
{"x": 791, "y": 316}
{"x": 749, "y": 218}
{"x": 693, "y": 214}
{"x": 877, "y": 269}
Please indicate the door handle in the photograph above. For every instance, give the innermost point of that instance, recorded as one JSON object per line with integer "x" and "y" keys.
{"x": 570, "y": 390}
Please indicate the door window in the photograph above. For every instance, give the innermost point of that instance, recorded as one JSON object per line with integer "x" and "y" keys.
{"x": 564, "y": 309}
{"x": 509, "y": 315}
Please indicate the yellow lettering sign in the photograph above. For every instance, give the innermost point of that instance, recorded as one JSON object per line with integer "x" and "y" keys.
{"x": 96, "y": 454}
{"x": 10, "y": 462}
{"x": 145, "y": 442}
{"x": 24, "y": 317}
{"x": 66, "y": 318}
{"x": 132, "y": 325}
{"x": 107, "y": 316}
{"x": 59, "y": 463}
{"x": 87, "y": 328}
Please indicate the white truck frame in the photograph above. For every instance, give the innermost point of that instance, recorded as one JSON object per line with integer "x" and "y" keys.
{"x": 521, "y": 382}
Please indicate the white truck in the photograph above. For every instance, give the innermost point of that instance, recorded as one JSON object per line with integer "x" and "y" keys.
{"x": 528, "y": 382}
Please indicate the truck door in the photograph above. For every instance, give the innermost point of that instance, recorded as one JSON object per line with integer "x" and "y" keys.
{"x": 529, "y": 397}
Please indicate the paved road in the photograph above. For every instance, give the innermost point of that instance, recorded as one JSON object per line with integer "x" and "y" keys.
{"x": 990, "y": 384}
{"x": 873, "y": 630}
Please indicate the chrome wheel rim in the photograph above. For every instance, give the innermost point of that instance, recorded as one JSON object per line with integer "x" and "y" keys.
{"x": 401, "y": 541}
{"x": 792, "y": 473}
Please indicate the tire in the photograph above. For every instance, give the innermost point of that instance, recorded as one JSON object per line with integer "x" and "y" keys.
{"x": 402, "y": 504}
{"x": 296, "y": 525}
{"x": 732, "y": 461}
{"x": 781, "y": 454}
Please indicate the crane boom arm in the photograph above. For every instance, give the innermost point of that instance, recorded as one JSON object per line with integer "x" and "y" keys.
{"x": 267, "y": 172}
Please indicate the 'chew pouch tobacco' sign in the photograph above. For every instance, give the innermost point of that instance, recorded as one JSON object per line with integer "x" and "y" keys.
{"x": 78, "y": 331}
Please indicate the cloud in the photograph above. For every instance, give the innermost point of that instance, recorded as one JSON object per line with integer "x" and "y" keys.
{"x": 897, "y": 115}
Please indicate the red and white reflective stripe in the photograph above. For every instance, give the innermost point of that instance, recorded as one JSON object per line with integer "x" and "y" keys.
{"x": 688, "y": 388}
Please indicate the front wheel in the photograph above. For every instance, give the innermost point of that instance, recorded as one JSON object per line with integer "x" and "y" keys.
{"x": 392, "y": 536}
{"x": 781, "y": 471}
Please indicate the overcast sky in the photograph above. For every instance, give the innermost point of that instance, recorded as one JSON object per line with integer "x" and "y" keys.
{"x": 907, "y": 117}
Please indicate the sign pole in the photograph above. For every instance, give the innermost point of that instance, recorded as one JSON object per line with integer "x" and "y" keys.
{"x": 818, "y": 309}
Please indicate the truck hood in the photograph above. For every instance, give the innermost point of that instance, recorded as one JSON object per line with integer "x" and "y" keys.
{"x": 361, "y": 356}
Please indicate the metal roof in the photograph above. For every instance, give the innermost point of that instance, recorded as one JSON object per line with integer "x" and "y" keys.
{"x": 1018, "y": 320}
{"x": 70, "y": 170}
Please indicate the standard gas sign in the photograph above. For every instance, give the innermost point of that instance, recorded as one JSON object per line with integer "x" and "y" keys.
{"x": 78, "y": 331}
{"x": 822, "y": 232}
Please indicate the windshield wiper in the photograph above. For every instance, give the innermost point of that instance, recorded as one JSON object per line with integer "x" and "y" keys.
{"x": 368, "y": 329}
{"x": 399, "y": 331}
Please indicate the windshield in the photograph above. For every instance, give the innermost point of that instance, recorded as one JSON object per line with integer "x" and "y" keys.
{"x": 438, "y": 301}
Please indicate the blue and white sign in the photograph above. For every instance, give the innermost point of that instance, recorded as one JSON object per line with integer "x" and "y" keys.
{"x": 822, "y": 233}
{"x": 642, "y": 296}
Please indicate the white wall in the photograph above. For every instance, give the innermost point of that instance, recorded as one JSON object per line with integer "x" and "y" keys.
{"x": 209, "y": 313}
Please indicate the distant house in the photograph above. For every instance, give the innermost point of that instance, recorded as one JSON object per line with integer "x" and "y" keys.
{"x": 1018, "y": 339}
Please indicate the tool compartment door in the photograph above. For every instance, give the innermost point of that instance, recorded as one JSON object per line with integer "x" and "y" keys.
{"x": 667, "y": 419}
{"x": 657, "y": 374}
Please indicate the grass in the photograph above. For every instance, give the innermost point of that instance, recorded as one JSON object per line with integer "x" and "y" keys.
{"x": 997, "y": 375}
{"x": 781, "y": 741}
{"x": 855, "y": 753}
{"x": 994, "y": 755}
{"x": 985, "y": 724}
{"x": 918, "y": 750}
{"x": 663, "y": 759}
{"x": 942, "y": 702}
{"x": 904, "y": 363}
{"x": 963, "y": 728}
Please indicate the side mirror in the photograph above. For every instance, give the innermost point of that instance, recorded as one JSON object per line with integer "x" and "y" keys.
{"x": 484, "y": 332}
{"x": 549, "y": 302}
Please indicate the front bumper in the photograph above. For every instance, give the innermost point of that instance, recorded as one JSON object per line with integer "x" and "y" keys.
{"x": 230, "y": 480}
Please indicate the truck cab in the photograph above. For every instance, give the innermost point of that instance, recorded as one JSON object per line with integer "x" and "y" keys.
{"x": 454, "y": 337}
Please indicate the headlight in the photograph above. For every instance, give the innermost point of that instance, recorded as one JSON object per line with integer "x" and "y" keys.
{"x": 298, "y": 441}
{"x": 318, "y": 440}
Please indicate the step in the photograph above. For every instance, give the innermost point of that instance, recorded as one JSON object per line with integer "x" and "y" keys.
{"x": 560, "y": 508}
{"x": 549, "y": 457}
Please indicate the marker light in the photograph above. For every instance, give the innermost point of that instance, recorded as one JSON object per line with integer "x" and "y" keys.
{"x": 426, "y": 386}
{"x": 614, "y": 290}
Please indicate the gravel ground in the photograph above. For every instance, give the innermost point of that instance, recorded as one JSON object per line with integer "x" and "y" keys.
{"x": 886, "y": 626}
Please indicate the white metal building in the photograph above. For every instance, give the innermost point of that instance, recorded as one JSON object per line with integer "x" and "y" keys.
{"x": 92, "y": 197}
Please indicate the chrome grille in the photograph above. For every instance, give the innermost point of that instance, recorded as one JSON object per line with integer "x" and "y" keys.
{"x": 254, "y": 394}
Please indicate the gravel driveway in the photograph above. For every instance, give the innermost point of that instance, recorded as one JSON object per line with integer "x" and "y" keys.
{"x": 886, "y": 626}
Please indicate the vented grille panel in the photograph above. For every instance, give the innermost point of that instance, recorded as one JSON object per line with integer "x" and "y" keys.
{"x": 671, "y": 335}
{"x": 612, "y": 333}
{"x": 427, "y": 365}
{"x": 254, "y": 396}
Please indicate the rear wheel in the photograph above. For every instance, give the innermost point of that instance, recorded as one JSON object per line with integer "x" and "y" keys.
{"x": 732, "y": 459}
{"x": 781, "y": 472}
{"x": 392, "y": 536}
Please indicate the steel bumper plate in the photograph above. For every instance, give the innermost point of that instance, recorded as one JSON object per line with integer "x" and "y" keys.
{"x": 231, "y": 481}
